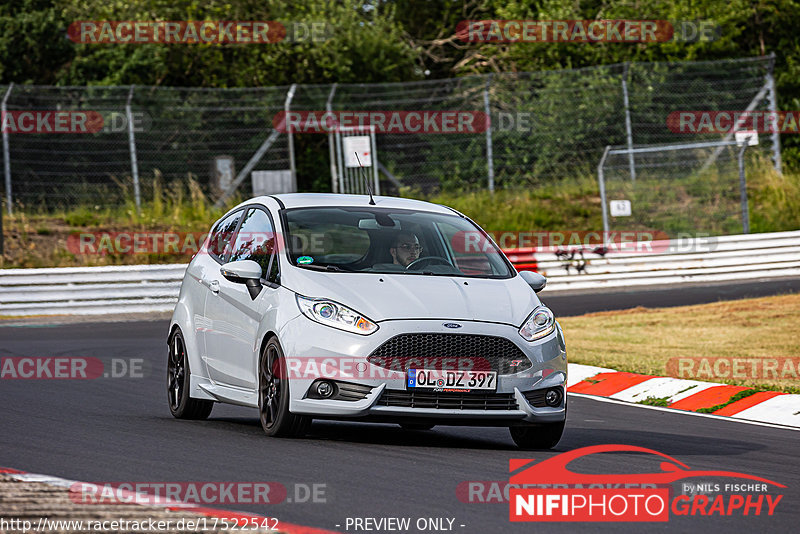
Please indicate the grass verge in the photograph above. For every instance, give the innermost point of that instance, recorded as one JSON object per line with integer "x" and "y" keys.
{"x": 643, "y": 340}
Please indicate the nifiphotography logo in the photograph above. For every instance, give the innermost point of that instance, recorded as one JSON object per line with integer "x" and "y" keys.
{"x": 549, "y": 491}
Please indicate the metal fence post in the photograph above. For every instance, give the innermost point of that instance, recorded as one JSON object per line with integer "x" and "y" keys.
{"x": 331, "y": 139}
{"x": 286, "y": 105}
{"x": 773, "y": 108}
{"x": 374, "y": 148}
{"x": 339, "y": 161}
{"x": 489, "y": 155}
{"x": 137, "y": 193}
{"x": 6, "y": 153}
{"x": 743, "y": 189}
{"x": 628, "y": 130}
{"x": 602, "y": 182}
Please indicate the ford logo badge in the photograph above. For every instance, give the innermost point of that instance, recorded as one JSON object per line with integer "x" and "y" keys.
{"x": 451, "y": 325}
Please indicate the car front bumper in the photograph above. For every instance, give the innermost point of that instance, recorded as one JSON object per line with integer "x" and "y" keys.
{"x": 314, "y": 351}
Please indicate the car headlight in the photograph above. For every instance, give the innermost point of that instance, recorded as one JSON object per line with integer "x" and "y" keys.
{"x": 333, "y": 314}
{"x": 539, "y": 324}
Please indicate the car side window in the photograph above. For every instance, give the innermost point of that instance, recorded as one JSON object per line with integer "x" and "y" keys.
{"x": 221, "y": 236}
{"x": 469, "y": 252}
{"x": 274, "y": 274}
{"x": 256, "y": 241}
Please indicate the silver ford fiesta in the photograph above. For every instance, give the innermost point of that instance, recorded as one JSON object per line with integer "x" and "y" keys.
{"x": 316, "y": 306}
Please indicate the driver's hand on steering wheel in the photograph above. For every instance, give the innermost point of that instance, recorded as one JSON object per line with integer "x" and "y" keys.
{"x": 413, "y": 260}
{"x": 421, "y": 263}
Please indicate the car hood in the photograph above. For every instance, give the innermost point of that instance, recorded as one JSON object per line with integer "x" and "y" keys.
{"x": 383, "y": 297}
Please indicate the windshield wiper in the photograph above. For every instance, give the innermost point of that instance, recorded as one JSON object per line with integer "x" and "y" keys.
{"x": 330, "y": 267}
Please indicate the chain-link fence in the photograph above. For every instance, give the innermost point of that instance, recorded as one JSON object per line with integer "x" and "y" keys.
{"x": 147, "y": 135}
{"x": 543, "y": 127}
{"x": 677, "y": 189}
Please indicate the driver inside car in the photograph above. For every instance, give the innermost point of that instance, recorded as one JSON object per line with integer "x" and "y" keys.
{"x": 405, "y": 249}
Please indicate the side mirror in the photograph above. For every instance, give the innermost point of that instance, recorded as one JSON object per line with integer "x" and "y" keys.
{"x": 535, "y": 280}
{"x": 245, "y": 272}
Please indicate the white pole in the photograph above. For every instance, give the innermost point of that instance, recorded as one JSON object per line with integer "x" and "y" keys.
{"x": 339, "y": 162}
{"x": 286, "y": 106}
{"x": 137, "y": 194}
{"x": 377, "y": 185}
{"x": 743, "y": 189}
{"x": 602, "y": 181}
{"x": 6, "y": 153}
{"x": 773, "y": 108}
{"x": 628, "y": 130}
{"x": 331, "y": 139}
{"x": 489, "y": 155}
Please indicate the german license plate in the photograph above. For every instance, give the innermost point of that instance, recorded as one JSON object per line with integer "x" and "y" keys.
{"x": 444, "y": 380}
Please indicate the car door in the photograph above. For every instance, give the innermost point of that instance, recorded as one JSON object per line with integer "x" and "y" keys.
{"x": 204, "y": 268}
{"x": 233, "y": 315}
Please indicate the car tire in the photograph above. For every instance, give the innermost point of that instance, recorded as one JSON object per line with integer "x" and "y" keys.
{"x": 181, "y": 405}
{"x": 537, "y": 437}
{"x": 416, "y": 426}
{"x": 273, "y": 395}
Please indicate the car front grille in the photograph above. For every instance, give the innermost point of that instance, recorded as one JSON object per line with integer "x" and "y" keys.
{"x": 450, "y": 351}
{"x": 448, "y": 401}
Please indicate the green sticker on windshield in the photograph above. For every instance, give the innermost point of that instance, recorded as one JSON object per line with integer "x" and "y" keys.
{"x": 305, "y": 260}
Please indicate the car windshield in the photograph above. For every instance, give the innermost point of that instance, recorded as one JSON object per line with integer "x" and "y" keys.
{"x": 390, "y": 241}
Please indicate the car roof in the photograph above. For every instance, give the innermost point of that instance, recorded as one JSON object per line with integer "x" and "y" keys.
{"x": 308, "y": 200}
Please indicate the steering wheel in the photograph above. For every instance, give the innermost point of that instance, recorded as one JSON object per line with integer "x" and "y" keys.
{"x": 419, "y": 263}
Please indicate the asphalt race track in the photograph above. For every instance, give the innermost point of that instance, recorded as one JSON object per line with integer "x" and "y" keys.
{"x": 564, "y": 304}
{"x": 120, "y": 429}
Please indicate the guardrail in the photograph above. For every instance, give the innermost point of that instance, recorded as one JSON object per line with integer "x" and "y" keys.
{"x": 154, "y": 288}
{"x": 90, "y": 290}
{"x": 702, "y": 260}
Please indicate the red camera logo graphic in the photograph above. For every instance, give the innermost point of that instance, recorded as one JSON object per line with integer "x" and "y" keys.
{"x": 577, "y": 497}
